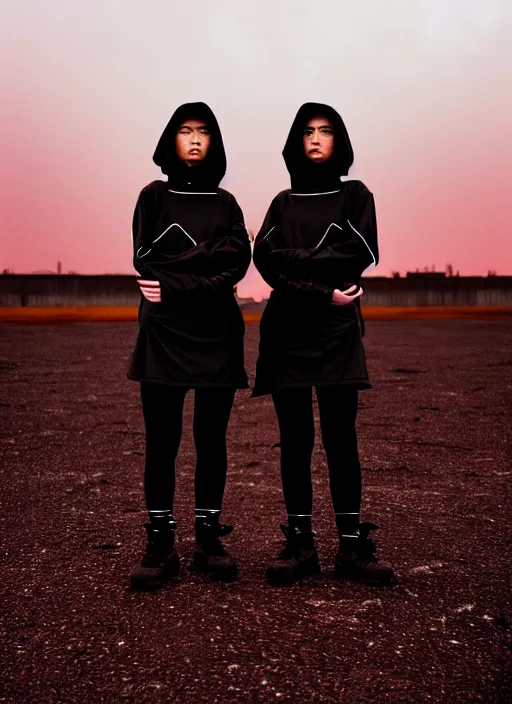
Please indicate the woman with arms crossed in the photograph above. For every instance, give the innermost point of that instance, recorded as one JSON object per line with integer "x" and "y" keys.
{"x": 190, "y": 249}
{"x": 315, "y": 243}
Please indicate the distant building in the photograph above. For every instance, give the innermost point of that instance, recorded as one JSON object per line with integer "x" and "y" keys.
{"x": 426, "y": 275}
{"x": 424, "y": 288}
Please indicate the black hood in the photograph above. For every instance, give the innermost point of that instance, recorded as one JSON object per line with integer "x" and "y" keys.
{"x": 305, "y": 174}
{"x": 210, "y": 171}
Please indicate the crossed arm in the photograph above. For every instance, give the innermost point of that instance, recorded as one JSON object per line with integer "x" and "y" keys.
{"x": 297, "y": 272}
{"x": 220, "y": 263}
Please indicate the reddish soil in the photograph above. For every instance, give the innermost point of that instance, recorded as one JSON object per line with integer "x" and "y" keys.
{"x": 435, "y": 446}
{"x": 111, "y": 314}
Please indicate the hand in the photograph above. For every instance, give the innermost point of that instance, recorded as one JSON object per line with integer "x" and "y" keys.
{"x": 150, "y": 290}
{"x": 342, "y": 298}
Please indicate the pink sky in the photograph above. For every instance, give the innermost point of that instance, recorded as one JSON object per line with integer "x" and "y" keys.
{"x": 423, "y": 88}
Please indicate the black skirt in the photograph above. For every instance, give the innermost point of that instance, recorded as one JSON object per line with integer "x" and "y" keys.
{"x": 191, "y": 346}
{"x": 309, "y": 346}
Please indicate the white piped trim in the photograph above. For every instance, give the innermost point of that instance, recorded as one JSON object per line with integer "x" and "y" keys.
{"x": 175, "y": 224}
{"x": 366, "y": 243}
{"x": 207, "y": 510}
{"x": 333, "y": 224}
{"x": 325, "y": 193}
{"x": 192, "y": 193}
{"x": 164, "y": 510}
{"x": 268, "y": 233}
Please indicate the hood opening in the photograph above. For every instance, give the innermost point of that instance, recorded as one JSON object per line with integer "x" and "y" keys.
{"x": 306, "y": 174}
{"x": 209, "y": 172}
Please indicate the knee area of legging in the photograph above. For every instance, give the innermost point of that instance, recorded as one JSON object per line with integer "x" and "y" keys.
{"x": 297, "y": 455}
{"x": 159, "y": 448}
{"x": 296, "y": 437}
{"x": 208, "y": 446}
{"x": 333, "y": 438}
{"x": 161, "y": 439}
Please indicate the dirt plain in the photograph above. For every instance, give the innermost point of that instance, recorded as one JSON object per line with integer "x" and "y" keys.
{"x": 435, "y": 447}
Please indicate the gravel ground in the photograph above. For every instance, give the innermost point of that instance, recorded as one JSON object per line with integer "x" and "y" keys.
{"x": 435, "y": 446}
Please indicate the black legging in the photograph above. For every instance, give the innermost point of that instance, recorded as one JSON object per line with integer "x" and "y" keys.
{"x": 337, "y": 406}
{"x": 162, "y": 407}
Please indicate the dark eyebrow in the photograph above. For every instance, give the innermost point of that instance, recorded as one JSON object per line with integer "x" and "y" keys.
{"x": 321, "y": 127}
{"x": 184, "y": 126}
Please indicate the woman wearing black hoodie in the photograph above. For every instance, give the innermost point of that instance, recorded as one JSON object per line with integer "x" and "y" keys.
{"x": 316, "y": 241}
{"x": 191, "y": 247}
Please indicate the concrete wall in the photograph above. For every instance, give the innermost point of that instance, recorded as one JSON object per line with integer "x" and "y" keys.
{"x": 424, "y": 290}
{"x": 122, "y": 290}
{"x": 68, "y": 290}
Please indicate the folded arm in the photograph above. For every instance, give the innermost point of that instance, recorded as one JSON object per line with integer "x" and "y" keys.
{"x": 278, "y": 266}
{"x": 212, "y": 266}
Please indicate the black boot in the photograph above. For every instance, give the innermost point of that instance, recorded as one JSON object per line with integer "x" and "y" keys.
{"x": 297, "y": 559}
{"x": 160, "y": 561}
{"x": 210, "y": 557}
{"x": 356, "y": 559}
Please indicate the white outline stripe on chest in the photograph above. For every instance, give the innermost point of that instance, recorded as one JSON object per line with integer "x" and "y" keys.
{"x": 193, "y": 193}
{"x": 174, "y": 224}
{"x": 325, "y": 193}
{"x": 268, "y": 233}
{"x": 333, "y": 224}
{"x": 366, "y": 243}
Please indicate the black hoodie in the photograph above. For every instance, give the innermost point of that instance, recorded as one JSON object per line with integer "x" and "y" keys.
{"x": 189, "y": 235}
{"x": 318, "y": 236}
{"x": 321, "y": 234}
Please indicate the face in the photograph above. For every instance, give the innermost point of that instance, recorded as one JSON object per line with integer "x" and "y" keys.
{"x": 192, "y": 141}
{"x": 318, "y": 139}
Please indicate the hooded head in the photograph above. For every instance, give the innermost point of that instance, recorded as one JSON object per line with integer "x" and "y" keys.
{"x": 307, "y": 175}
{"x": 209, "y": 172}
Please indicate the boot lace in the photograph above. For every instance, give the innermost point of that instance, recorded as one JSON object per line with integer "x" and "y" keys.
{"x": 288, "y": 546}
{"x": 363, "y": 546}
{"x": 211, "y": 542}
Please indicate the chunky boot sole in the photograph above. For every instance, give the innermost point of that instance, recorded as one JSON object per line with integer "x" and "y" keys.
{"x": 342, "y": 572}
{"x": 288, "y": 575}
{"x": 144, "y": 582}
{"x": 217, "y": 573}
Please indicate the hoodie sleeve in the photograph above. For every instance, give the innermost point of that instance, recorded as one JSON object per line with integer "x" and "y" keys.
{"x": 363, "y": 222}
{"x": 278, "y": 266}
{"x": 222, "y": 261}
{"x": 142, "y": 231}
